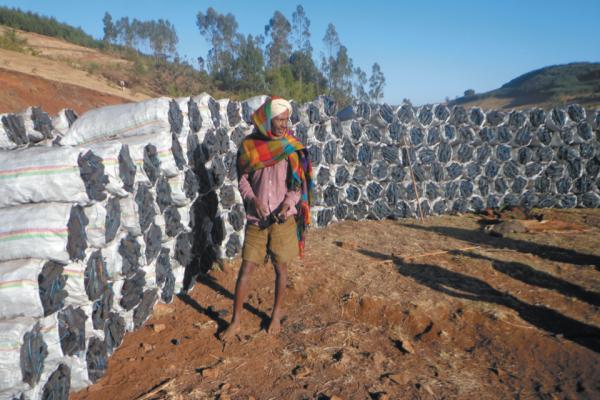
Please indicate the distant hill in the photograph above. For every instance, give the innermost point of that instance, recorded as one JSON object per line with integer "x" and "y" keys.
{"x": 545, "y": 87}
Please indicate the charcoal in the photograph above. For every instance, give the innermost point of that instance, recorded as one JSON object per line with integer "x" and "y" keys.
{"x": 483, "y": 153}
{"x": 433, "y": 135}
{"x": 234, "y": 114}
{"x": 331, "y": 196}
{"x": 519, "y": 184}
{"x": 477, "y": 203}
{"x": 183, "y": 249}
{"x": 133, "y": 290}
{"x": 92, "y": 172}
{"x": 168, "y": 289}
{"x": 323, "y": 176}
{"x": 152, "y": 238}
{"x": 77, "y": 239}
{"x": 495, "y": 118}
{"x": 510, "y": 200}
{"x": 466, "y": 135}
{"x": 466, "y": 188}
{"x": 130, "y": 251}
{"x": 349, "y": 153}
{"x": 96, "y": 359}
{"x": 71, "y": 330}
{"x": 567, "y": 135}
{"x": 524, "y": 155}
{"x": 500, "y": 185}
{"x": 352, "y": 194}
{"x": 341, "y": 211}
{"x": 449, "y": 132}
{"x": 492, "y": 201}
{"x": 529, "y": 200}
{"x": 510, "y": 169}
{"x": 584, "y": 131}
{"x": 574, "y": 168}
{"x": 322, "y": 132}
{"x": 114, "y": 330}
{"x": 175, "y": 117}
{"x": 437, "y": 172}
{"x": 416, "y": 136}
{"x": 51, "y": 282}
{"x": 330, "y": 152}
{"x": 459, "y": 116}
{"x": 582, "y": 185}
{"x": 101, "y": 308}
{"x": 432, "y": 191}
{"x": 427, "y": 156}
{"x": 151, "y": 163}
{"x": 218, "y": 171}
{"x": 425, "y": 116}
{"x": 516, "y": 120}
{"x": 380, "y": 210}
{"x": 126, "y": 169}
{"x": 503, "y": 134}
{"x": 373, "y": 134}
{"x": 568, "y": 201}
{"x": 593, "y": 166}
{"x": 58, "y": 384}
{"x": 313, "y": 114}
{"x": 95, "y": 276}
{"x": 144, "y": 309}
{"x": 365, "y": 154}
{"x": 532, "y": 169}
{"x": 315, "y": 154}
{"x": 387, "y": 113}
{"x": 564, "y": 185}
{"x": 194, "y": 116}
{"x": 554, "y": 170}
{"x": 397, "y": 131}
{"x": 544, "y": 136}
{"x": 33, "y": 354}
{"x": 441, "y": 112}
{"x": 295, "y": 117}
{"x": 586, "y": 150}
{"x": 473, "y": 170}
{"x": 402, "y": 210}
{"x": 483, "y": 183}
{"x": 487, "y": 135}
{"x": 397, "y": 172}
{"x": 342, "y": 176}
{"x": 439, "y": 207}
{"x": 523, "y": 136}
{"x": 239, "y": 134}
{"x": 408, "y": 156}
{"x": 324, "y": 217}
{"x": 163, "y": 193}
{"x": 145, "y": 203}
{"x": 476, "y": 116}
{"x": 544, "y": 154}
{"x": 451, "y": 190}
{"x": 465, "y": 153}
{"x": 392, "y": 193}
{"x": 444, "y": 152}
{"x": 380, "y": 170}
{"x": 406, "y": 114}
{"x": 460, "y": 206}
{"x": 557, "y": 119}
{"x": 233, "y": 246}
{"x": 355, "y": 131}
{"x": 537, "y": 117}
{"x": 454, "y": 170}
{"x": 542, "y": 184}
{"x": 590, "y": 200}
{"x": 547, "y": 201}
{"x": 373, "y": 191}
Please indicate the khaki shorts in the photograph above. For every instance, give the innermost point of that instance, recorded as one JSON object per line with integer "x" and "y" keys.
{"x": 281, "y": 240}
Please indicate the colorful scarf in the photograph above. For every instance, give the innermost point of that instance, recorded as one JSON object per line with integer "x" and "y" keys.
{"x": 263, "y": 149}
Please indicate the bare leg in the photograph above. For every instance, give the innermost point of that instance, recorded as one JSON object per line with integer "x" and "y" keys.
{"x": 241, "y": 292}
{"x": 280, "y": 284}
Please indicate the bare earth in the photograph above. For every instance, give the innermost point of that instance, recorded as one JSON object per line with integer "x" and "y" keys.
{"x": 388, "y": 309}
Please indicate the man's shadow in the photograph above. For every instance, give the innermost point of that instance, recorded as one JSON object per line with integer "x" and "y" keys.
{"x": 545, "y": 251}
{"x": 466, "y": 287}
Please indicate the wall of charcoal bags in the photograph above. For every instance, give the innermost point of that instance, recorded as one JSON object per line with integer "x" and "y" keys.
{"x": 106, "y": 214}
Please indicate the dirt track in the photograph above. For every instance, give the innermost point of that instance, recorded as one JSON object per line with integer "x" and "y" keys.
{"x": 503, "y": 318}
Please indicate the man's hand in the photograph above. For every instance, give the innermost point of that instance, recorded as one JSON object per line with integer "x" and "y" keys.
{"x": 283, "y": 211}
{"x": 261, "y": 209}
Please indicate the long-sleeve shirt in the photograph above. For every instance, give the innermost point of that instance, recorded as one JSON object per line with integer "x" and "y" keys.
{"x": 269, "y": 186}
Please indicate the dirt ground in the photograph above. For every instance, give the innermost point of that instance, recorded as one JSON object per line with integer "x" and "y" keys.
{"x": 387, "y": 310}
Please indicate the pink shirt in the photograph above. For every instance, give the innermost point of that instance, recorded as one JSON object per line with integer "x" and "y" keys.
{"x": 269, "y": 185}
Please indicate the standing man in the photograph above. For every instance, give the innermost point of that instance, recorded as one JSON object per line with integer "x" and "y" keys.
{"x": 274, "y": 174}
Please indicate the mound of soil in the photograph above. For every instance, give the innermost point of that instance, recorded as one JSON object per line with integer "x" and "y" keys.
{"x": 387, "y": 310}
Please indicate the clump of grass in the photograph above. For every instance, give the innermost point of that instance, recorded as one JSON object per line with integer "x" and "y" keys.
{"x": 10, "y": 40}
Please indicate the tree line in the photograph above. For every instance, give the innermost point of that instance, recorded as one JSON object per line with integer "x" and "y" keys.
{"x": 279, "y": 61}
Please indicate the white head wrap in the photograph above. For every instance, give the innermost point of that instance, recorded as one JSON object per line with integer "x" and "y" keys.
{"x": 279, "y": 106}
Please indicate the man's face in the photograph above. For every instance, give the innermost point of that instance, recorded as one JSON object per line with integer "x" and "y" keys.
{"x": 279, "y": 124}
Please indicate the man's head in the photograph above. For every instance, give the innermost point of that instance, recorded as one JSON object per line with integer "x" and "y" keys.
{"x": 280, "y": 114}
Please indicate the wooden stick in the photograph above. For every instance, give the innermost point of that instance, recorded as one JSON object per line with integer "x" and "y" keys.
{"x": 414, "y": 181}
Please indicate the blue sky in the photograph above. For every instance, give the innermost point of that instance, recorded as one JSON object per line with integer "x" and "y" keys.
{"x": 427, "y": 49}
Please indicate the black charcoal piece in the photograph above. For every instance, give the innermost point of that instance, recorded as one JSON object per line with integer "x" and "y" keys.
{"x": 380, "y": 210}
{"x": 331, "y": 196}
{"x": 542, "y": 184}
{"x": 454, "y": 170}
{"x": 152, "y": 238}
{"x": 466, "y": 135}
{"x": 465, "y": 153}
{"x": 58, "y": 385}
{"x": 214, "y": 108}
{"x": 495, "y": 118}
{"x": 133, "y": 290}
{"x": 168, "y": 289}
{"x": 41, "y": 122}
{"x": 402, "y": 210}
{"x": 365, "y": 154}
{"x": 175, "y": 117}
{"x": 163, "y": 193}
{"x": 313, "y": 114}
{"x": 439, "y": 207}
{"x": 321, "y": 132}
{"x": 544, "y": 154}
{"x": 234, "y": 115}
{"x": 460, "y": 206}
{"x": 397, "y": 131}
{"x": 95, "y": 276}
{"x": 466, "y": 188}
{"x": 183, "y": 248}
{"x": 96, "y": 359}
{"x": 576, "y": 113}
{"x": 537, "y": 117}
{"x": 554, "y": 170}
{"x": 145, "y": 203}
{"x": 33, "y": 353}
{"x": 387, "y": 113}
{"x": 363, "y": 110}
{"x": 130, "y": 251}
{"x": 444, "y": 152}
{"x": 449, "y": 132}
{"x": 510, "y": 169}
{"x": 349, "y": 153}
{"x": 547, "y": 201}
{"x": 126, "y": 168}
{"x": 500, "y": 185}
{"x": 510, "y": 200}
{"x": 51, "y": 282}
{"x": 14, "y": 125}
{"x": 503, "y": 134}
{"x": 582, "y": 185}
{"x": 239, "y": 133}
{"x": 437, "y": 172}
{"x": 222, "y": 139}
{"x": 590, "y": 200}
{"x": 487, "y": 134}
{"x": 380, "y": 170}
{"x": 516, "y": 120}
{"x": 529, "y": 200}
{"x": 532, "y": 169}
{"x": 236, "y": 217}
{"x": 483, "y": 183}
{"x": 390, "y": 154}
{"x": 324, "y": 217}
{"x": 451, "y": 190}
{"x": 564, "y": 185}
{"x": 544, "y": 136}
{"x": 336, "y": 128}
{"x": 162, "y": 267}
{"x": 558, "y": 117}
{"x": 519, "y": 184}
{"x": 432, "y": 191}
{"x": 567, "y": 135}
{"x": 427, "y": 156}
{"x": 114, "y": 330}
{"x": 397, "y": 172}
{"x": 593, "y": 166}
{"x": 323, "y": 176}
{"x": 406, "y": 113}
{"x": 71, "y": 330}
{"x": 568, "y": 201}
{"x": 421, "y": 173}
{"x": 584, "y": 130}
{"x": 315, "y": 154}
{"x": 459, "y": 115}
{"x": 151, "y": 163}
{"x": 113, "y": 219}
{"x": 425, "y": 115}
{"x": 473, "y": 170}
{"x": 477, "y": 203}
{"x": 392, "y": 193}
{"x": 416, "y": 136}
{"x": 233, "y": 246}
{"x": 341, "y": 211}
{"x": 295, "y": 117}
{"x": 476, "y": 116}
{"x": 373, "y": 134}
{"x": 330, "y": 152}
{"x": 373, "y": 191}
{"x": 524, "y": 155}
{"x": 441, "y": 112}
{"x": 227, "y": 196}
{"x": 483, "y": 153}
{"x": 352, "y": 193}
{"x": 91, "y": 170}
{"x": 586, "y": 150}
{"x": 492, "y": 201}
{"x": 523, "y": 136}
{"x": 144, "y": 309}
{"x": 355, "y": 131}
{"x": 101, "y": 308}
{"x": 77, "y": 238}
{"x": 194, "y": 116}
{"x": 191, "y": 186}
{"x": 574, "y": 168}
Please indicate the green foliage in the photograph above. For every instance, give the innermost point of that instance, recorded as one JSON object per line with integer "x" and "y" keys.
{"x": 32, "y": 22}
{"x": 10, "y": 40}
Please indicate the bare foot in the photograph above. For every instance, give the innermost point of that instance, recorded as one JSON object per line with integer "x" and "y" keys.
{"x": 274, "y": 327}
{"x": 230, "y": 332}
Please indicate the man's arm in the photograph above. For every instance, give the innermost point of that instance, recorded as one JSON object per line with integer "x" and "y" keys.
{"x": 250, "y": 198}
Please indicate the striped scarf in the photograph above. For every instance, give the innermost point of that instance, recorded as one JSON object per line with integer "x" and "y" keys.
{"x": 263, "y": 149}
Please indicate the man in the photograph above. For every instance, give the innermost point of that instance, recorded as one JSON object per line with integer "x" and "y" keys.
{"x": 275, "y": 182}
